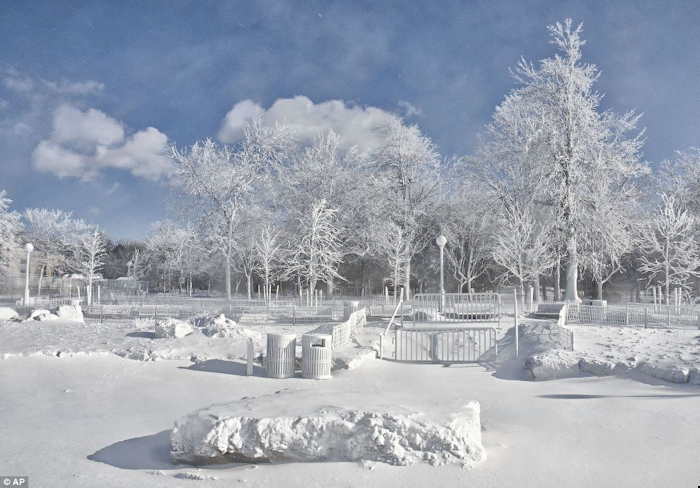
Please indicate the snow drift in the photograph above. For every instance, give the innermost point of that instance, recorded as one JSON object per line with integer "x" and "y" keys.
{"x": 7, "y": 313}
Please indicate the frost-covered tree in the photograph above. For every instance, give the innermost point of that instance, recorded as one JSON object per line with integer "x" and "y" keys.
{"x": 610, "y": 238}
{"x": 390, "y": 242}
{"x": 268, "y": 256}
{"x": 681, "y": 176}
{"x": 670, "y": 254}
{"x": 553, "y": 122}
{"x": 88, "y": 258}
{"x": 467, "y": 223}
{"x": 406, "y": 186}
{"x": 316, "y": 251}
{"x": 10, "y": 227}
{"x": 54, "y": 234}
{"x": 523, "y": 245}
{"x": 175, "y": 253}
{"x": 221, "y": 179}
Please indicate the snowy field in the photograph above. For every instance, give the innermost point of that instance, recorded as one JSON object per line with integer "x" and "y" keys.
{"x": 98, "y": 419}
{"x": 680, "y": 347}
{"x": 127, "y": 338}
{"x": 104, "y": 421}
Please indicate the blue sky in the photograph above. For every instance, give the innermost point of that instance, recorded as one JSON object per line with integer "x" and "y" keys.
{"x": 89, "y": 90}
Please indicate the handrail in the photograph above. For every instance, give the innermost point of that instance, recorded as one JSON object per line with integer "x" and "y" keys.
{"x": 393, "y": 316}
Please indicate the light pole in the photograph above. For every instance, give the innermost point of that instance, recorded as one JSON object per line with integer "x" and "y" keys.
{"x": 29, "y": 247}
{"x": 441, "y": 241}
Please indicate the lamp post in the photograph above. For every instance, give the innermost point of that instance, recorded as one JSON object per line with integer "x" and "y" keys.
{"x": 29, "y": 247}
{"x": 441, "y": 241}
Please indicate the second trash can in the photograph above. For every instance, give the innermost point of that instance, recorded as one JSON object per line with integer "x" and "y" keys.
{"x": 316, "y": 356}
{"x": 280, "y": 355}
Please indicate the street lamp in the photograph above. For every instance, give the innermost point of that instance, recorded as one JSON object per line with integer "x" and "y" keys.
{"x": 29, "y": 247}
{"x": 441, "y": 241}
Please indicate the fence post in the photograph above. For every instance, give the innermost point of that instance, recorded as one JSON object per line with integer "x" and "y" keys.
{"x": 515, "y": 308}
{"x": 250, "y": 350}
{"x": 646, "y": 319}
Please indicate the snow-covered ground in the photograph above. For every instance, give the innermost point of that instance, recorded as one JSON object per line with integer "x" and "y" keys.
{"x": 87, "y": 417}
{"x": 659, "y": 346}
{"x": 134, "y": 339}
{"x": 105, "y": 421}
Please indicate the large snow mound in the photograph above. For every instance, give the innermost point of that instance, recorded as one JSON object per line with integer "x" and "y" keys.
{"x": 552, "y": 364}
{"x": 73, "y": 313}
{"x": 7, "y": 313}
{"x": 393, "y": 435}
{"x": 221, "y": 326}
{"x": 42, "y": 315}
{"x": 671, "y": 355}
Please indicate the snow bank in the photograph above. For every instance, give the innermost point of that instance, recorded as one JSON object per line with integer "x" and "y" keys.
{"x": 221, "y": 326}
{"x": 42, "y": 315}
{"x": 167, "y": 328}
{"x": 71, "y": 313}
{"x": 215, "y": 325}
{"x": 667, "y": 372}
{"x": 229, "y": 433}
{"x": 6, "y": 313}
{"x": 552, "y": 364}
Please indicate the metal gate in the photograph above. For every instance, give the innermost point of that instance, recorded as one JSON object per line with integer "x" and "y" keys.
{"x": 443, "y": 345}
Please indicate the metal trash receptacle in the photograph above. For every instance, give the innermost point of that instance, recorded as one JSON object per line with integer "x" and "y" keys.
{"x": 316, "y": 356}
{"x": 280, "y": 355}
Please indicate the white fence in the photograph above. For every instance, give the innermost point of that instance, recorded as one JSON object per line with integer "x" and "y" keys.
{"x": 342, "y": 333}
{"x": 443, "y": 345}
{"x": 634, "y": 315}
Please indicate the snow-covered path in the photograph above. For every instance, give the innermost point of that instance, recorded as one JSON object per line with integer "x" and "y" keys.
{"x": 566, "y": 433}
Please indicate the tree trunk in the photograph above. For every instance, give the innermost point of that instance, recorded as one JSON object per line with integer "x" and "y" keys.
{"x": 599, "y": 283}
{"x": 227, "y": 276}
{"x": 407, "y": 286}
{"x": 557, "y": 280}
{"x": 41, "y": 277}
{"x": 396, "y": 281}
{"x": 88, "y": 294}
{"x": 249, "y": 285}
{"x": 538, "y": 288}
{"x": 571, "y": 269}
{"x": 668, "y": 282}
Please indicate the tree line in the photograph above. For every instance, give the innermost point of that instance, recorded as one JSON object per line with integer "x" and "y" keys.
{"x": 556, "y": 187}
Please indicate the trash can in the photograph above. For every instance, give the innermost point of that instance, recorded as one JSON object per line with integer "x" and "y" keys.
{"x": 316, "y": 356}
{"x": 280, "y": 356}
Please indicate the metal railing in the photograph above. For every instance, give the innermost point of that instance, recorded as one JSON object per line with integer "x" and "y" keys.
{"x": 633, "y": 316}
{"x": 453, "y": 307}
{"x": 444, "y": 345}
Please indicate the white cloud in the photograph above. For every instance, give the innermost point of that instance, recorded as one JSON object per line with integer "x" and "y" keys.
{"x": 75, "y": 87}
{"x": 84, "y": 142}
{"x": 142, "y": 154}
{"x": 53, "y": 158}
{"x": 20, "y": 82}
{"x": 71, "y": 125}
{"x": 355, "y": 124}
{"x": 236, "y": 118}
